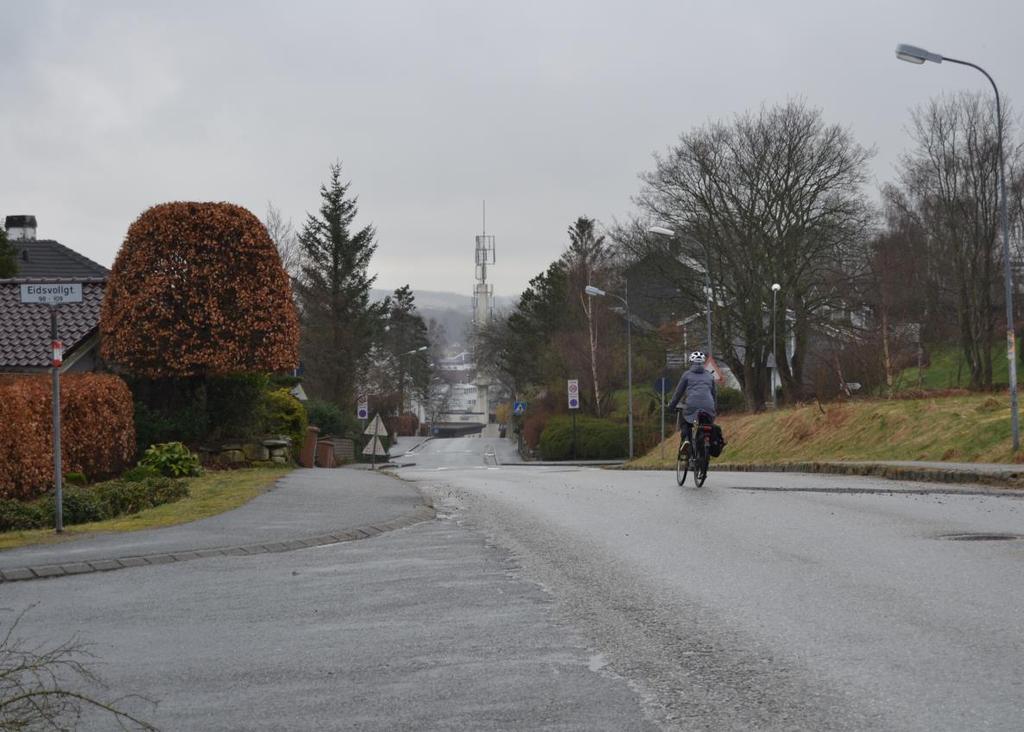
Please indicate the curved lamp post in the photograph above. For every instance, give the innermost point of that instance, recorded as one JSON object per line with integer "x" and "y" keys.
{"x": 401, "y": 386}
{"x": 915, "y": 55}
{"x": 597, "y": 292}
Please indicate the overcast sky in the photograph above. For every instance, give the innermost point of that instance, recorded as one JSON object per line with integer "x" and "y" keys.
{"x": 548, "y": 110}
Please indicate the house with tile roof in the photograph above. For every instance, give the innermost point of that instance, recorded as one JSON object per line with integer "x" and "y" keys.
{"x": 25, "y": 329}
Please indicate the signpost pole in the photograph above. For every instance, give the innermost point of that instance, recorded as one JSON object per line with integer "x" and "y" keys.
{"x": 58, "y": 477}
{"x": 573, "y": 389}
{"x": 574, "y": 434}
{"x": 373, "y": 459}
{"x": 662, "y": 417}
{"x": 54, "y": 294}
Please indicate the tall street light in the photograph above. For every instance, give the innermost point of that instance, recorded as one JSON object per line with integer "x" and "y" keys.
{"x": 775, "y": 347}
{"x": 694, "y": 264}
{"x": 597, "y": 292}
{"x": 401, "y": 384}
{"x": 915, "y": 55}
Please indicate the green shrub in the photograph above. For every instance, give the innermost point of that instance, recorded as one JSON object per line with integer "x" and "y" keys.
{"x": 331, "y": 420}
{"x": 167, "y": 490}
{"x": 731, "y": 400}
{"x": 172, "y": 459}
{"x": 75, "y": 478}
{"x": 118, "y": 497}
{"x": 95, "y": 503}
{"x": 20, "y": 515}
{"x": 81, "y": 505}
{"x": 596, "y": 439}
{"x": 139, "y": 474}
{"x": 286, "y": 416}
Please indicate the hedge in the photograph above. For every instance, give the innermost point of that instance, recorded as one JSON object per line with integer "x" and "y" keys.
{"x": 596, "y": 439}
{"x": 83, "y": 504}
{"x": 97, "y": 431}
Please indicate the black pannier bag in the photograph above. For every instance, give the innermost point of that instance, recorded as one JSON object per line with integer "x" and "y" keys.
{"x": 717, "y": 441}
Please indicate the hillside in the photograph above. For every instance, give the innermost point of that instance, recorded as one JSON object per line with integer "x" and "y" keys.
{"x": 967, "y": 428}
{"x": 450, "y": 309}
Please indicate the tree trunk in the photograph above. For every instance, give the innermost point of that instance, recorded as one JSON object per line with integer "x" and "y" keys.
{"x": 887, "y": 352}
{"x": 593, "y": 361}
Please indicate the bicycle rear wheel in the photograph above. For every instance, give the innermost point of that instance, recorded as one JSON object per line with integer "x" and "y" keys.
{"x": 700, "y": 470}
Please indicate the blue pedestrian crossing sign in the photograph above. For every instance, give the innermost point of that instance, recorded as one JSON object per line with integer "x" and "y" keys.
{"x": 519, "y": 408}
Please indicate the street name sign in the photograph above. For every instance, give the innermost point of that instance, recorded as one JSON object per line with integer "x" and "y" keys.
{"x": 574, "y": 393}
{"x": 54, "y": 293}
{"x": 675, "y": 360}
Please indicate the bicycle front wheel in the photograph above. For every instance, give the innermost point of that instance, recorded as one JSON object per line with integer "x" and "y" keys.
{"x": 682, "y": 466}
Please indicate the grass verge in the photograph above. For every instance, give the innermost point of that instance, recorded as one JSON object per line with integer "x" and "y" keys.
{"x": 212, "y": 493}
{"x": 972, "y": 428}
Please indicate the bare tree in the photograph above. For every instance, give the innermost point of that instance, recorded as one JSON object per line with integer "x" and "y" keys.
{"x": 949, "y": 183}
{"x": 282, "y": 233}
{"x": 775, "y": 196}
{"x": 38, "y": 685}
{"x": 586, "y": 259}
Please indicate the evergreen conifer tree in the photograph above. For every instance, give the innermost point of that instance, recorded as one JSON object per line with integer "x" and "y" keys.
{"x": 8, "y": 260}
{"x": 339, "y": 323}
{"x": 406, "y": 333}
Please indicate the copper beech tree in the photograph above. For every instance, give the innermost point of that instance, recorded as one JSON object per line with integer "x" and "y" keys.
{"x": 198, "y": 289}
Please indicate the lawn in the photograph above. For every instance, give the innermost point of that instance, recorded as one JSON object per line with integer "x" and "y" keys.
{"x": 971, "y": 428}
{"x": 212, "y": 493}
{"x": 948, "y": 370}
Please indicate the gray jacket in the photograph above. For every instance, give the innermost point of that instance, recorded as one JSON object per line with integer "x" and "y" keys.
{"x": 698, "y": 386}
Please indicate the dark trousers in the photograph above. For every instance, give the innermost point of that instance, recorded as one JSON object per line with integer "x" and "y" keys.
{"x": 686, "y": 429}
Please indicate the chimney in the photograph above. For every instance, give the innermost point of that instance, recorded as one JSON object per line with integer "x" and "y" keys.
{"x": 20, "y": 228}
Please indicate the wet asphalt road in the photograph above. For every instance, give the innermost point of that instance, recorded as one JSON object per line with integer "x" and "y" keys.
{"x": 732, "y": 607}
{"x": 578, "y": 599}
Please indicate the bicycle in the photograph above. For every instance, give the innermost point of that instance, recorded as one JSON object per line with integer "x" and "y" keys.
{"x": 699, "y": 458}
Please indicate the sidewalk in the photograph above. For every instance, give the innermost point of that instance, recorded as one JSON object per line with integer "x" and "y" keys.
{"x": 306, "y": 508}
{"x": 1001, "y": 475}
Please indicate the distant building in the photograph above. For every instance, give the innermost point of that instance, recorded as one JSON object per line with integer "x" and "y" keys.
{"x": 25, "y": 329}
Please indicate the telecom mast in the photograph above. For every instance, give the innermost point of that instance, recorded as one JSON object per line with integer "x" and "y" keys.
{"x": 483, "y": 293}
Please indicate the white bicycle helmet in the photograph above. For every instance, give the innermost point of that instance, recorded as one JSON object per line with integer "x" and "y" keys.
{"x": 698, "y": 357}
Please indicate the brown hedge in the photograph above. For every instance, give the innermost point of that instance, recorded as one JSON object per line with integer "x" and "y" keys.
{"x": 97, "y": 430}
{"x": 199, "y": 289}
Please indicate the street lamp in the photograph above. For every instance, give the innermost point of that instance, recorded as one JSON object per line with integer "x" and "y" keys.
{"x": 915, "y": 55}
{"x": 597, "y": 292}
{"x": 662, "y": 231}
{"x": 401, "y": 384}
{"x": 775, "y": 348}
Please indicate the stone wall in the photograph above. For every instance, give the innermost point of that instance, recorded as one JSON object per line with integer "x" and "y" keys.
{"x": 275, "y": 449}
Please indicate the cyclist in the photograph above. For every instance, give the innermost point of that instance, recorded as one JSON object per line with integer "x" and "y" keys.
{"x": 697, "y": 386}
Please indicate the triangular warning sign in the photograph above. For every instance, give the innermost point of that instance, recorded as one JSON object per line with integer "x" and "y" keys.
{"x": 376, "y": 427}
{"x": 374, "y": 447}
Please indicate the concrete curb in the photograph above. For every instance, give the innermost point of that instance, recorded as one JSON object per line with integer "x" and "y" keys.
{"x": 1009, "y": 479}
{"x": 424, "y": 512}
